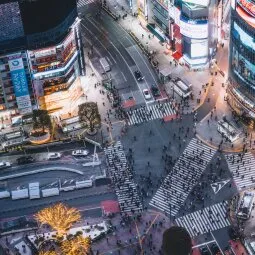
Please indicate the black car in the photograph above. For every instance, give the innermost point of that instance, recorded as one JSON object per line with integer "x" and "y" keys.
{"x": 25, "y": 160}
{"x": 215, "y": 249}
{"x": 138, "y": 76}
{"x": 205, "y": 251}
{"x": 155, "y": 91}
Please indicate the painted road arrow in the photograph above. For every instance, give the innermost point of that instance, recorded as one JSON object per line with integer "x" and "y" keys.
{"x": 217, "y": 186}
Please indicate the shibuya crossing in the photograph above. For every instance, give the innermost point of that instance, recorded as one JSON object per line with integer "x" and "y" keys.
{"x": 127, "y": 127}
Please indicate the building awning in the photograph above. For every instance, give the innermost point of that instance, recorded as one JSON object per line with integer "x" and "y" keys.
{"x": 166, "y": 71}
{"x": 153, "y": 30}
{"x": 177, "y": 55}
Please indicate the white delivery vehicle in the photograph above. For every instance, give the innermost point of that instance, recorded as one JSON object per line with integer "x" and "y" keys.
{"x": 104, "y": 63}
{"x": 34, "y": 190}
{"x": 84, "y": 184}
{"x": 50, "y": 192}
{"x": 19, "y": 194}
{"x": 4, "y": 194}
{"x": 182, "y": 89}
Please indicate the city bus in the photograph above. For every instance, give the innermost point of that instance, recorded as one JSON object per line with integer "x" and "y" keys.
{"x": 181, "y": 88}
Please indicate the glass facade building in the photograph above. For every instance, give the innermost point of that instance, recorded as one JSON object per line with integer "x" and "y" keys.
{"x": 241, "y": 89}
{"x": 40, "y": 54}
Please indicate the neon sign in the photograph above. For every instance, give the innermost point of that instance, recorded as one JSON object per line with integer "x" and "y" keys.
{"x": 247, "y": 6}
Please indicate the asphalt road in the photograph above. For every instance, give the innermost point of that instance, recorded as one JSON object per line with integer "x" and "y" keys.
{"x": 78, "y": 198}
{"x": 111, "y": 41}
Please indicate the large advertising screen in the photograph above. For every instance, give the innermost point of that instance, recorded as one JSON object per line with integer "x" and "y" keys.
{"x": 199, "y": 48}
{"x": 19, "y": 82}
{"x": 245, "y": 38}
{"x": 194, "y": 29}
{"x": 246, "y": 10}
{"x": 243, "y": 68}
{"x": 248, "y": 6}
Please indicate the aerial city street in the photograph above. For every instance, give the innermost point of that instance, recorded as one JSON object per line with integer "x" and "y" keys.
{"x": 127, "y": 127}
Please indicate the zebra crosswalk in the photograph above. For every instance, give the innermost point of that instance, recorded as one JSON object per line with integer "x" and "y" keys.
{"x": 150, "y": 112}
{"x": 122, "y": 178}
{"x": 184, "y": 176}
{"x": 205, "y": 220}
{"x": 82, "y": 3}
{"x": 241, "y": 166}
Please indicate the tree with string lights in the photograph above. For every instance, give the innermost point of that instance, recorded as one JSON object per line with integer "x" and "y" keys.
{"x": 76, "y": 246}
{"x": 60, "y": 217}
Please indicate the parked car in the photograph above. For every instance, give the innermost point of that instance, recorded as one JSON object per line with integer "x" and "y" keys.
{"x": 146, "y": 94}
{"x": 54, "y": 155}
{"x": 25, "y": 160}
{"x": 80, "y": 153}
{"x": 5, "y": 164}
{"x": 205, "y": 251}
{"x": 138, "y": 76}
{"x": 155, "y": 91}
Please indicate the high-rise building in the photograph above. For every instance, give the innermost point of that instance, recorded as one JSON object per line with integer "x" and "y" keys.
{"x": 193, "y": 31}
{"x": 41, "y": 56}
{"x": 241, "y": 89}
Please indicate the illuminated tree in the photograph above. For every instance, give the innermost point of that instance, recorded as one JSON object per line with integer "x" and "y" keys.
{"x": 76, "y": 246}
{"x": 41, "y": 120}
{"x": 59, "y": 217}
{"x": 89, "y": 115}
{"x": 47, "y": 253}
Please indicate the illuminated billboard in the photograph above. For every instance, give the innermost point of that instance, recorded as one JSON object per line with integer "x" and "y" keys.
{"x": 248, "y": 6}
{"x": 199, "y": 48}
{"x": 244, "y": 69}
{"x": 19, "y": 81}
{"x": 194, "y": 29}
{"x": 245, "y": 38}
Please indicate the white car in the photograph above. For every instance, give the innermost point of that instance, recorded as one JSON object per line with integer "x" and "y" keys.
{"x": 5, "y": 164}
{"x": 146, "y": 94}
{"x": 80, "y": 153}
{"x": 54, "y": 155}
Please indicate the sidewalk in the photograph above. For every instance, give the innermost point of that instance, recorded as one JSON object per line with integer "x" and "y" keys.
{"x": 162, "y": 55}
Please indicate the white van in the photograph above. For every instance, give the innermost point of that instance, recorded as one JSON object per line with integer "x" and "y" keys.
{"x": 105, "y": 64}
{"x": 182, "y": 89}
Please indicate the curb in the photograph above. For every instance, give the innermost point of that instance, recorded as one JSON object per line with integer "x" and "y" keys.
{"x": 40, "y": 171}
{"x": 216, "y": 147}
{"x": 109, "y": 13}
{"x": 205, "y": 96}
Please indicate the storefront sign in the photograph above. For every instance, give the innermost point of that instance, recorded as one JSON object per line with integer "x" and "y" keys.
{"x": 19, "y": 82}
{"x": 194, "y": 30}
{"x": 248, "y": 6}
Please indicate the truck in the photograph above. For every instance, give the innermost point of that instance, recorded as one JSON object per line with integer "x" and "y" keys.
{"x": 34, "y": 190}
{"x": 104, "y": 63}
{"x": 50, "y": 192}
{"x": 19, "y": 194}
{"x": 4, "y": 194}
{"x": 83, "y": 184}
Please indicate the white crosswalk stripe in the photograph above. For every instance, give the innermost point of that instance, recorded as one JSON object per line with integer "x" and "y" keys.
{"x": 150, "y": 112}
{"x": 82, "y": 3}
{"x": 184, "y": 176}
{"x": 122, "y": 178}
{"x": 205, "y": 220}
{"x": 242, "y": 166}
